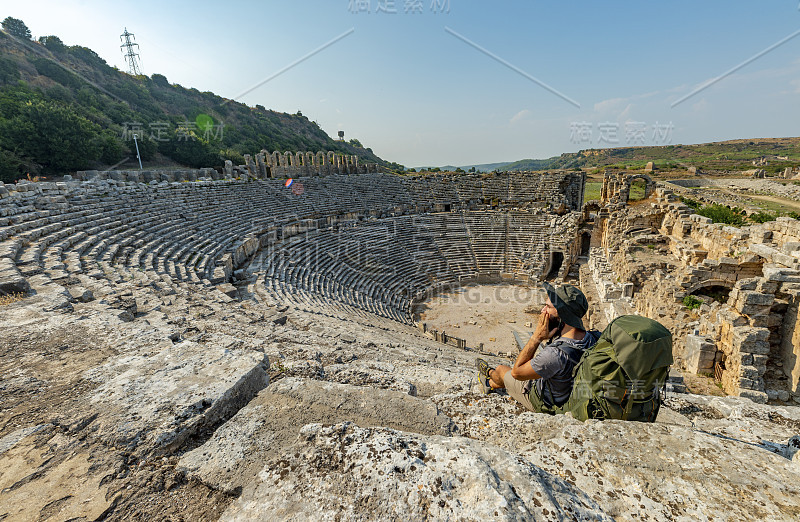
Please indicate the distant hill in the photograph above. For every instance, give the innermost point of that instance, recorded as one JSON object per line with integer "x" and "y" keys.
{"x": 724, "y": 156}
{"x": 63, "y": 108}
{"x": 720, "y": 157}
{"x": 480, "y": 167}
{"x": 528, "y": 164}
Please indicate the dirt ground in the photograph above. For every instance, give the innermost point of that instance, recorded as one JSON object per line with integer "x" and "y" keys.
{"x": 42, "y": 384}
{"x": 794, "y": 205}
{"x": 496, "y": 310}
{"x": 701, "y": 385}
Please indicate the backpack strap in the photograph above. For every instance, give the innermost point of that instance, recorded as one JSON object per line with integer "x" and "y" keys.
{"x": 628, "y": 406}
{"x": 568, "y": 348}
{"x": 573, "y": 353}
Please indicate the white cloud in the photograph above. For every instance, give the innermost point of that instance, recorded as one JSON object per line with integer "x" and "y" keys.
{"x": 625, "y": 114}
{"x": 623, "y": 105}
{"x": 700, "y": 106}
{"x": 521, "y": 115}
{"x": 609, "y": 105}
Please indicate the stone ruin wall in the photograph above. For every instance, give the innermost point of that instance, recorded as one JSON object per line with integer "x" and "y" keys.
{"x": 751, "y": 342}
{"x": 557, "y": 191}
{"x": 148, "y": 176}
{"x": 262, "y": 166}
{"x": 617, "y": 187}
{"x": 299, "y": 164}
{"x": 553, "y": 190}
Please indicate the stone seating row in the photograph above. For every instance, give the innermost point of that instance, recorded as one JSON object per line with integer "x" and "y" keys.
{"x": 174, "y": 235}
{"x": 380, "y": 265}
{"x": 285, "y": 266}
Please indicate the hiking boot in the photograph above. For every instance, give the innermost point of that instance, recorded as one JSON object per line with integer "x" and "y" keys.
{"x": 483, "y": 375}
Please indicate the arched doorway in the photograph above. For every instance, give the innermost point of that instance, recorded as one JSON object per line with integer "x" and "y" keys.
{"x": 553, "y": 265}
{"x": 711, "y": 289}
{"x": 586, "y": 244}
{"x": 638, "y": 190}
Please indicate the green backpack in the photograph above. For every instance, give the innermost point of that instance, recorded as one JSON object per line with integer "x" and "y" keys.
{"x": 622, "y": 375}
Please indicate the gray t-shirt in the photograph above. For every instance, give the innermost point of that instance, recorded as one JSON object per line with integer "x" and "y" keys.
{"x": 555, "y": 367}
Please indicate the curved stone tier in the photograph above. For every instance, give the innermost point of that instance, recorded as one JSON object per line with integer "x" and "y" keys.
{"x": 385, "y": 265}
{"x": 203, "y": 232}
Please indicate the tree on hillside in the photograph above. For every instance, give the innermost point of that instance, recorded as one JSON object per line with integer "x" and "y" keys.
{"x": 160, "y": 80}
{"x": 16, "y": 27}
{"x": 53, "y": 134}
{"x": 53, "y": 43}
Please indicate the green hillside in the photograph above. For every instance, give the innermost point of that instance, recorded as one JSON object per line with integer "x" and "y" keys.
{"x": 719, "y": 157}
{"x": 63, "y": 108}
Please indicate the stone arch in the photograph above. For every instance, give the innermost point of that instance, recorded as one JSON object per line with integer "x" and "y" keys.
{"x": 288, "y": 159}
{"x": 309, "y": 159}
{"x": 709, "y": 283}
{"x": 617, "y": 187}
{"x": 331, "y": 158}
{"x": 275, "y": 159}
{"x": 553, "y": 266}
{"x": 589, "y": 209}
{"x": 298, "y": 159}
{"x": 649, "y": 185}
{"x": 320, "y": 159}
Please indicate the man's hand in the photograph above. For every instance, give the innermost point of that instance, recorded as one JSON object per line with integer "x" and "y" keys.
{"x": 543, "y": 331}
{"x": 522, "y": 370}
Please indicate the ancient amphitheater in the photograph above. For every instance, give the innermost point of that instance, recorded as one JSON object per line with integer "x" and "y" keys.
{"x": 227, "y": 345}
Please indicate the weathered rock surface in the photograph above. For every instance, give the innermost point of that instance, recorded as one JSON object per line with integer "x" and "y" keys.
{"x": 639, "y": 471}
{"x": 370, "y": 374}
{"x": 353, "y": 473}
{"x": 270, "y": 423}
{"x": 154, "y": 401}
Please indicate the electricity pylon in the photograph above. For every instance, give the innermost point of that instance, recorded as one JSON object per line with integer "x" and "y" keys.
{"x": 131, "y": 57}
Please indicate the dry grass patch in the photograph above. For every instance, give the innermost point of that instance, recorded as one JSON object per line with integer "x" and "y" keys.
{"x": 7, "y": 299}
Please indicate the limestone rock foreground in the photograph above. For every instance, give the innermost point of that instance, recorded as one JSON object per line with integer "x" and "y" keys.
{"x": 270, "y": 423}
{"x": 165, "y": 410}
{"x": 659, "y": 471}
{"x": 352, "y": 473}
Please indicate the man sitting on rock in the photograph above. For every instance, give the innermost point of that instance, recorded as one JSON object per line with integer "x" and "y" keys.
{"x": 541, "y": 379}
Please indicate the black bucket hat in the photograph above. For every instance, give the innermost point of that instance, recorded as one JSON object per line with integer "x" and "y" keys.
{"x": 570, "y": 303}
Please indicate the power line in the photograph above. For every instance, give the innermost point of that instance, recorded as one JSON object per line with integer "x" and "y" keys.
{"x": 131, "y": 57}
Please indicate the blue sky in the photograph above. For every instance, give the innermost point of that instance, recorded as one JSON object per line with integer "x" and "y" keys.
{"x": 419, "y": 94}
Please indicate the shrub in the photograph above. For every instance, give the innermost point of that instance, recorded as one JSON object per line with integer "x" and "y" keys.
{"x": 762, "y": 217}
{"x": 9, "y": 70}
{"x": 55, "y": 72}
{"x": 53, "y": 43}
{"x": 691, "y": 302}
{"x": 54, "y": 133}
{"x": 690, "y": 203}
{"x": 722, "y": 214}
